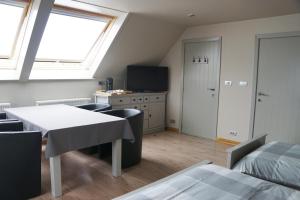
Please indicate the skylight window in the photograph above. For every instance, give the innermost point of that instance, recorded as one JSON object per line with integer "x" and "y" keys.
{"x": 10, "y": 21}
{"x": 12, "y": 17}
{"x": 69, "y": 38}
{"x": 61, "y": 39}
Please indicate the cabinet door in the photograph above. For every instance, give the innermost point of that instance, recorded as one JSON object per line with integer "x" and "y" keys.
{"x": 156, "y": 115}
{"x": 146, "y": 124}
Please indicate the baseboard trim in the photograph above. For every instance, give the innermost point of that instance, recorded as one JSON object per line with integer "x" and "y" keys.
{"x": 226, "y": 141}
{"x": 154, "y": 130}
{"x": 172, "y": 129}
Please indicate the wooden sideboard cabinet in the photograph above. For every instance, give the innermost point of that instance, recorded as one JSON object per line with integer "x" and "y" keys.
{"x": 153, "y": 105}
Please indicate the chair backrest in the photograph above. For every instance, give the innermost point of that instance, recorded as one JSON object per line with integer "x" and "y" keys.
{"x": 135, "y": 118}
{"x": 20, "y": 164}
{"x": 90, "y": 106}
{"x": 124, "y": 113}
{"x": 11, "y": 126}
{"x": 96, "y": 107}
{"x": 8, "y": 120}
{"x": 3, "y": 115}
{"x": 103, "y": 107}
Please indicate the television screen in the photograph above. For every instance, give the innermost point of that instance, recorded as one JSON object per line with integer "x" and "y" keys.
{"x": 147, "y": 78}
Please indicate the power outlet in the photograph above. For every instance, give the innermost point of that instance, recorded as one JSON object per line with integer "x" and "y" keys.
{"x": 233, "y": 133}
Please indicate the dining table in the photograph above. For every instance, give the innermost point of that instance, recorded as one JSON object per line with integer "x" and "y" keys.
{"x": 68, "y": 128}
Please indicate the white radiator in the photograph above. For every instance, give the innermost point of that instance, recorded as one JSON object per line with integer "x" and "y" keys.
{"x": 71, "y": 102}
{"x": 4, "y": 105}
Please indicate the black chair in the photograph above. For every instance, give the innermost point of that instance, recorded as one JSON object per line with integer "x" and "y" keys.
{"x": 3, "y": 115}
{"x": 20, "y": 165}
{"x": 11, "y": 126}
{"x": 131, "y": 152}
{"x": 96, "y": 107}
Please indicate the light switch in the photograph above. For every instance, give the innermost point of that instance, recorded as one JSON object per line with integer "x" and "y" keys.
{"x": 228, "y": 83}
{"x": 243, "y": 83}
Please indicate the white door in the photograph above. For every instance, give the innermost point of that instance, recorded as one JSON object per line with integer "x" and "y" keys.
{"x": 156, "y": 115}
{"x": 201, "y": 89}
{"x": 277, "y": 110}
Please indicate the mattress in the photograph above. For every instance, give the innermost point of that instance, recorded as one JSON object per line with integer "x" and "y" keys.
{"x": 211, "y": 182}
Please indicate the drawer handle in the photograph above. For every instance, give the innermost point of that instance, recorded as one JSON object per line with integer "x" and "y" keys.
{"x": 145, "y": 106}
{"x": 150, "y": 115}
{"x": 121, "y": 100}
{"x": 157, "y": 97}
{"x": 146, "y": 99}
{"x": 133, "y": 99}
{"x": 140, "y": 99}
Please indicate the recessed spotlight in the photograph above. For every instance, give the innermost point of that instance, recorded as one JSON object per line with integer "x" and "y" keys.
{"x": 191, "y": 15}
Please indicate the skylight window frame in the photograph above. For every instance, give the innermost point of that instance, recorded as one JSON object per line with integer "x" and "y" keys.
{"x": 60, "y": 64}
{"x": 72, "y": 71}
{"x": 11, "y": 61}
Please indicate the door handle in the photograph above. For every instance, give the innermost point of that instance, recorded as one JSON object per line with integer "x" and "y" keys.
{"x": 211, "y": 89}
{"x": 262, "y": 94}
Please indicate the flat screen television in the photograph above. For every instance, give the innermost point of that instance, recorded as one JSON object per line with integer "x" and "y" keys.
{"x": 147, "y": 78}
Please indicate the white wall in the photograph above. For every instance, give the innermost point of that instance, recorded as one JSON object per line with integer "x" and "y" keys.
{"x": 26, "y": 93}
{"x": 142, "y": 40}
{"x": 237, "y": 63}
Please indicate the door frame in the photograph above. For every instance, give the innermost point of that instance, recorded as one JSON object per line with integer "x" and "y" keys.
{"x": 258, "y": 38}
{"x": 196, "y": 40}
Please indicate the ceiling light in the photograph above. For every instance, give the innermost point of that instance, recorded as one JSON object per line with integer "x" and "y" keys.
{"x": 191, "y": 15}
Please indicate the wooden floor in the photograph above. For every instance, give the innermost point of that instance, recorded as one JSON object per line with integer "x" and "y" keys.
{"x": 86, "y": 177}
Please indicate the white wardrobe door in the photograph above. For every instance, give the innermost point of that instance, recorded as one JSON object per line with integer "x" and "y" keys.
{"x": 278, "y": 90}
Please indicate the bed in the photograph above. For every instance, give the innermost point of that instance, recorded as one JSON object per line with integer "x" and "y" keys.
{"x": 276, "y": 161}
{"x": 207, "y": 181}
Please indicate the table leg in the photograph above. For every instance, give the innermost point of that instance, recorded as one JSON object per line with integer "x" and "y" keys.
{"x": 55, "y": 172}
{"x": 117, "y": 157}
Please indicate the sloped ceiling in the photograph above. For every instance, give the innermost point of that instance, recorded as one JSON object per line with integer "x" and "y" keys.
{"x": 154, "y": 25}
{"x": 206, "y": 11}
{"x": 143, "y": 40}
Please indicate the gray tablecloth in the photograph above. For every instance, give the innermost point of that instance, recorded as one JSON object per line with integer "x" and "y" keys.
{"x": 69, "y": 128}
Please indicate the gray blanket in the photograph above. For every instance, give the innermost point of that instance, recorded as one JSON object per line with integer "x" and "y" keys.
{"x": 211, "y": 182}
{"x": 277, "y": 162}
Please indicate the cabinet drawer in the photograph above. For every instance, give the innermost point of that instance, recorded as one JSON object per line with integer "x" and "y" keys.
{"x": 137, "y": 99}
{"x": 134, "y": 100}
{"x": 157, "y": 98}
{"x": 146, "y": 114}
{"x": 146, "y": 99}
{"x": 120, "y": 101}
{"x": 140, "y": 99}
{"x": 135, "y": 106}
{"x": 144, "y": 106}
{"x": 119, "y": 107}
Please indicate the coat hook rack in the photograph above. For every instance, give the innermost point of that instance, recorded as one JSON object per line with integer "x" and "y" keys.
{"x": 200, "y": 59}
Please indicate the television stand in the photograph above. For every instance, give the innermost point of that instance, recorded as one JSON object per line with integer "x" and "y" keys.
{"x": 153, "y": 105}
